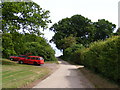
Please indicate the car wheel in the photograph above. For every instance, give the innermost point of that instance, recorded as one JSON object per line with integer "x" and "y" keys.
{"x": 20, "y": 62}
{"x": 35, "y": 63}
{"x": 11, "y": 59}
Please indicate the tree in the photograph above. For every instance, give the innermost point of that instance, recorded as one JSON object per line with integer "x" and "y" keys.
{"x": 21, "y": 25}
{"x": 83, "y": 29}
{"x": 39, "y": 47}
{"x": 18, "y": 42}
{"x": 72, "y": 49}
{"x": 7, "y": 45}
{"x": 104, "y": 29}
{"x": 80, "y": 27}
{"x": 23, "y": 16}
{"x": 68, "y": 41}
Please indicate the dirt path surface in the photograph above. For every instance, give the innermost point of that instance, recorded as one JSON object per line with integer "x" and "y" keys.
{"x": 66, "y": 76}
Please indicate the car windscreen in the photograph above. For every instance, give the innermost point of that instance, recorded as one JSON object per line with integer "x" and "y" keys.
{"x": 39, "y": 58}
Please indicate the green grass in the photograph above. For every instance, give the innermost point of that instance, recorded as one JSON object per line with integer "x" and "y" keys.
{"x": 16, "y": 75}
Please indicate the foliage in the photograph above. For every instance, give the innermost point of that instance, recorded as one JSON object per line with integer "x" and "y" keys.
{"x": 21, "y": 25}
{"x": 23, "y": 16}
{"x": 67, "y": 42}
{"x": 104, "y": 29}
{"x": 103, "y": 57}
{"x": 78, "y": 26}
{"x": 118, "y": 32}
{"x": 16, "y": 44}
{"x": 7, "y": 45}
{"x": 72, "y": 53}
{"x": 40, "y": 50}
{"x": 83, "y": 30}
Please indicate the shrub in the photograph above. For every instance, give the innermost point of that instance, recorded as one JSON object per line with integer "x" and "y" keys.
{"x": 104, "y": 57}
{"x": 16, "y": 44}
{"x": 71, "y": 53}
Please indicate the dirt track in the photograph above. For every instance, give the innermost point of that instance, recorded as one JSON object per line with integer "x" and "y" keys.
{"x": 66, "y": 76}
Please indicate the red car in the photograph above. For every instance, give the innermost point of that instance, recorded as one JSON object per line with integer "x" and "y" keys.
{"x": 36, "y": 60}
{"x": 16, "y": 58}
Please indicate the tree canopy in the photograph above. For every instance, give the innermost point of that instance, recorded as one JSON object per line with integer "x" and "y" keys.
{"x": 21, "y": 26}
{"x": 23, "y": 17}
{"x": 104, "y": 29}
{"x": 17, "y": 44}
{"x": 82, "y": 29}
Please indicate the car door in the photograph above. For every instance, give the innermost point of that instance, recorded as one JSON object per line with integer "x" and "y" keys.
{"x": 32, "y": 60}
{"x": 26, "y": 60}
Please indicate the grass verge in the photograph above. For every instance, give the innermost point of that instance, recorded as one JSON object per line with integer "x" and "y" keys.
{"x": 16, "y": 75}
{"x": 97, "y": 80}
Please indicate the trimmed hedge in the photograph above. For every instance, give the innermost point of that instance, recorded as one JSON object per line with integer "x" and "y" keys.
{"x": 103, "y": 57}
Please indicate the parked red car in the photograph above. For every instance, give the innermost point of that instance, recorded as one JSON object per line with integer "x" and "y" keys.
{"x": 36, "y": 60}
{"x": 16, "y": 58}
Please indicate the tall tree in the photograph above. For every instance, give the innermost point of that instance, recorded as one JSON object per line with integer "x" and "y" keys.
{"x": 21, "y": 25}
{"x": 83, "y": 29}
{"x": 80, "y": 27}
{"x": 104, "y": 29}
{"x": 23, "y": 16}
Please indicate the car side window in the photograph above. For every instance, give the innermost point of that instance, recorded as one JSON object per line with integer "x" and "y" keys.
{"x": 37, "y": 58}
{"x": 33, "y": 58}
{"x": 28, "y": 58}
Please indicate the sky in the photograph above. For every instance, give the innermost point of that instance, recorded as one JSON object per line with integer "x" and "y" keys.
{"x": 91, "y": 9}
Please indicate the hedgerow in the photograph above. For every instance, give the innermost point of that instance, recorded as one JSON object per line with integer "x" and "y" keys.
{"x": 103, "y": 57}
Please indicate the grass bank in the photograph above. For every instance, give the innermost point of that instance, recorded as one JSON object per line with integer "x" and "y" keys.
{"x": 97, "y": 80}
{"x": 15, "y": 75}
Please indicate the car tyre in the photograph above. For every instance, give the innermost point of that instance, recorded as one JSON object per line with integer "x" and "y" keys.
{"x": 35, "y": 63}
{"x": 11, "y": 59}
{"x": 21, "y": 62}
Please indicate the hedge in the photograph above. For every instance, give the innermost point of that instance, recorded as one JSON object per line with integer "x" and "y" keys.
{"x": 103, "y": 57}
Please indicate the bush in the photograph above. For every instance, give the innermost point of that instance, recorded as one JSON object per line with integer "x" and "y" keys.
{"x": 104, "y": 57}
{"x": 71, "y": 53}
{"x": 7, "y": 45}
{"x": 16, "y": 44}
{"x": 101, "y": 57}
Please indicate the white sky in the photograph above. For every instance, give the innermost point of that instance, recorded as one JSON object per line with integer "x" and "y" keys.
{"x": 92, "y": 9}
